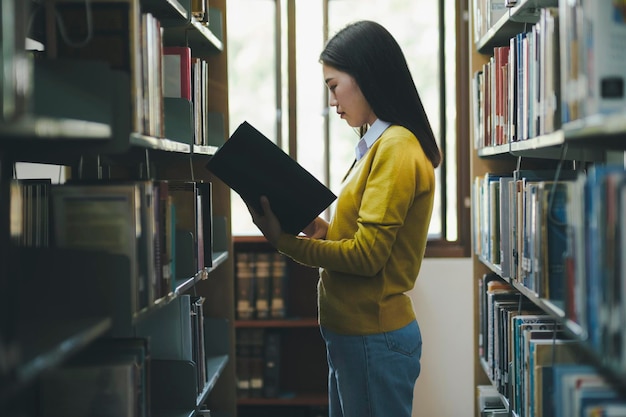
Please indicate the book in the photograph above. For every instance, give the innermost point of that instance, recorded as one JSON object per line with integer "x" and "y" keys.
{"x": 579, "y": 389}
{"x": 16, "y": 68}
{"x": 489, "y": 399}
{"x": 165, "y": 225}
{"x": 603, "y": 22}
{"x": 169, "y": 330}
{"x": 262, "y": 277}
{"x": 107, "y": 389}
{"x": 107, "y": 379}
{"x": 595, "y": 235}
{"x": 561, "y": 372}
{"x": 520, "y": 326}
{"x": 253, "y": 166}
{"x": 116, "y": 39}
{"x": 188, "y": 228}
{"x": 205, "y": 190}
{"x": 257, "y": 362}
{"x": 278, "y": 308}
{"x": 199, "y": 97}
{"x": 177, "y": 72}
{"x": 243, "y": 354}
{"x": 106, "y": 218}
{"x": 197, "y": 332}
{"x": 546, "y": 352}
{"x": 244, "y": 285}
{"x": 505, "y": 226}
{"x": 271, "y": 369}
{"x": 553, "y": 240}
{"x": 133, "y": 349}
{"x": 152, "y": 68}
{"x": 29, "y": 211}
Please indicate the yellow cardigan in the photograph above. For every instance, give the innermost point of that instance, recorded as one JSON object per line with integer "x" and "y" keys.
{"x": 376, "y": 239}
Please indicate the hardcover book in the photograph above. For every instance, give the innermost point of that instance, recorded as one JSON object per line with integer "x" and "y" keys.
{"x": 254, "y": 166}
{"x": 104, "y": 218}
{"x": 177, "y": 72}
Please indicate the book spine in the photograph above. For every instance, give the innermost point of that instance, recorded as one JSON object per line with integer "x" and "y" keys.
{"x": 272, "y": 355}
{"x": 279, "y": 277}
{"x": 244, "y": 285}
{"x": 262, "y": 278}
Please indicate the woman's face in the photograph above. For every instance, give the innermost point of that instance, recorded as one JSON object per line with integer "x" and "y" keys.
{"x": 347, "y": 98}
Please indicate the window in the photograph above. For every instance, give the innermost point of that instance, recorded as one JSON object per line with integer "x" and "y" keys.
{"x": 273, "y": 48}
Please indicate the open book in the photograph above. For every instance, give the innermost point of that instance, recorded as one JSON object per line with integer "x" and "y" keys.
{"x": 253, "y": 166}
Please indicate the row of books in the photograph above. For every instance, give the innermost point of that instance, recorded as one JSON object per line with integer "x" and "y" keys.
{"x": 520, "y": 224}
{"x": 168, "y": 87}
{"x": 486, "y": 14}
{"x": 490, "y": 403}
{"x": 517, "y": 92}
{"x": 17, "y": 69}
{"x": 171, "y": 86}
{"x": 563, "y": 241}
{"x": 549, "y": 76}
{"x": 186, "y": 87}
{"x": 532, "y": 362}
{"x": 163, "y": 227}
{"x": 126, "y": 38}
{"x": 127, "y": 376}
{"x": 176, "y": 332}
{"x": 258, "y": 363}
{"x": 596, "y": 244}
{"x": 283, "y": 411}
{"x": 111, "y": 378}
{"x": 260, "y": 285}
{"x": 30, "y": 212}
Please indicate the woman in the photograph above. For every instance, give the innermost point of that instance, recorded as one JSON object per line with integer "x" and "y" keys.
{"x": 370, "y": 253}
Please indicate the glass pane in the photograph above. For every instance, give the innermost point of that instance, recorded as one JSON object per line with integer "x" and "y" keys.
{"x": 252, "y": 64}
{"x": 251, "y": 80}
{"x": 401, "y": 18}
{"x": 310, "y": 87}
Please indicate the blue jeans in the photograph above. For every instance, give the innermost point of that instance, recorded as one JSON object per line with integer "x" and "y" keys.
{"x": 373, "y": 375}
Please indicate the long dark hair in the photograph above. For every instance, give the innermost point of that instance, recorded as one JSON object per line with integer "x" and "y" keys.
{"x": 370, "y": 54}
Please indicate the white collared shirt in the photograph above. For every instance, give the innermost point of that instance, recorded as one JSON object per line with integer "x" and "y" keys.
{"x": 373, "y": 133}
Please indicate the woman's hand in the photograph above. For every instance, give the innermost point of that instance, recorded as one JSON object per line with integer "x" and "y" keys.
{"x": 317, "y": 229}
{"x": 267, "y": 222}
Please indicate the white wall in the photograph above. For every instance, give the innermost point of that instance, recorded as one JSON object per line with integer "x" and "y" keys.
{"x": 443, "y": 300}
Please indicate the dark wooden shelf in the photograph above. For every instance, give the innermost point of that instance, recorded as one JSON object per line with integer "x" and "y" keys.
{"x": 516, "y": 19}
{"x": 293, "y": 322}
{"x": 586, "y": 140}
{"x": 288, "y": 399}
{"x": 50, "y": 128}
{"x": 172, "y": 413}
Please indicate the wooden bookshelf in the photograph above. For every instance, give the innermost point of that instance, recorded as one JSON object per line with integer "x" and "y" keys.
{"x": 302, "y": 381}
{"x": 63, "y": 308}
{"x": 582, "y": 143}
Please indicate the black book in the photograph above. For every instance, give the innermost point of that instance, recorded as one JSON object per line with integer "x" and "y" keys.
{"x": 253, "y": 166}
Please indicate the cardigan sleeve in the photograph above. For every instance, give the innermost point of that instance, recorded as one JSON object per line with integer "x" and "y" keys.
{"x": 389, "y": 192}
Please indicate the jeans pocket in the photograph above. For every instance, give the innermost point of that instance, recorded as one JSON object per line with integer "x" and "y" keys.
{"x": 407, "y": 340}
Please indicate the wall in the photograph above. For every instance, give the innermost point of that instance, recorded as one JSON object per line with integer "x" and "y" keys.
{"x": 443, "y": 300}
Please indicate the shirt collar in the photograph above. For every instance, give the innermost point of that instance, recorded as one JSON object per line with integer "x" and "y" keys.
{"x": 373, "y": 133}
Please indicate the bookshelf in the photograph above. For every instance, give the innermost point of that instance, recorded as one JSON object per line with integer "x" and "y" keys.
{"x": 546, "y": 253}
{"x": 281, "y": 356}
{"x": 73, "y": 304}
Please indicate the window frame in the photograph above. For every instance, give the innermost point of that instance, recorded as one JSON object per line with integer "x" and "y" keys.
{"x": 438, "y": 247}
